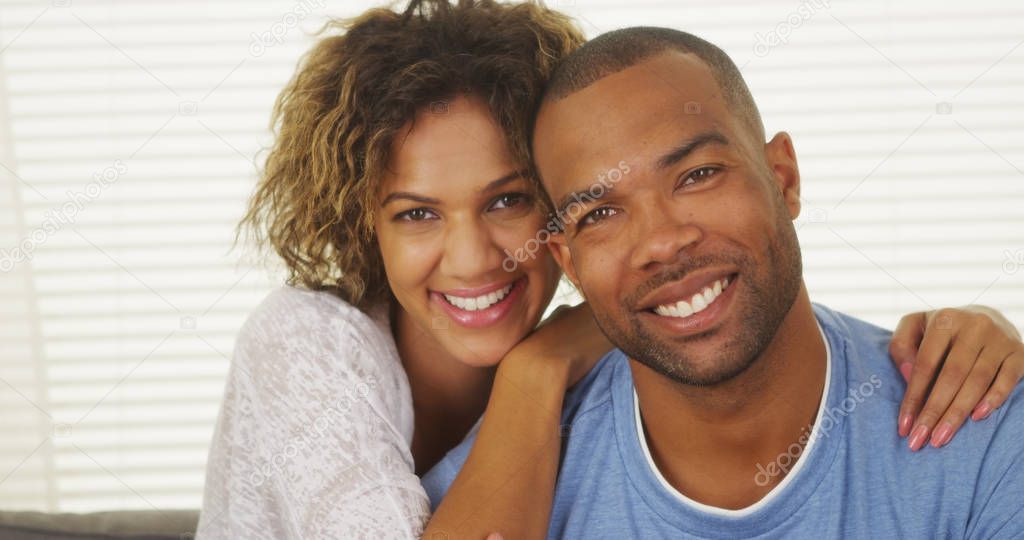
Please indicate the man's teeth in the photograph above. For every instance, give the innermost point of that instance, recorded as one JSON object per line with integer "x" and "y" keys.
{"x": 480, "y": 302}
{"x": 696, "y": 304}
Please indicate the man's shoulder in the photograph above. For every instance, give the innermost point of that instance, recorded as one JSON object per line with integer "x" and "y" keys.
{"x": 587, "y": 398}
{"x": 868, "y": 338}
{"x": 863, "y": 348}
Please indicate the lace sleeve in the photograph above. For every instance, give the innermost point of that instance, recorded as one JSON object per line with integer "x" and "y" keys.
{"x": 312, "y": 440}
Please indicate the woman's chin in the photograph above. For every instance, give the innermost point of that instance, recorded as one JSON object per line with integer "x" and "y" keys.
{"x": 482, "y": 353}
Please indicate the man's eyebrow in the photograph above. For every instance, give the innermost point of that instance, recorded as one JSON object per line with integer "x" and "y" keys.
{"x": 689, "y": 146}
{"x": 674, "y": 156}
{"x": 583, "y": 196}
{"x": 491, "y": 186}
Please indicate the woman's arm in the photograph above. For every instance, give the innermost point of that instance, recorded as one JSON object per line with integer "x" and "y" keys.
{"x": 958, "y": 363}
{"x": 309, "y": 440}
{"x": 508, "y": 481}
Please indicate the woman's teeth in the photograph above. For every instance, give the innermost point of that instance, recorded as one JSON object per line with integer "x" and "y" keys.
{"x": 696, "y": 304}
{"x": 480, "y": 302}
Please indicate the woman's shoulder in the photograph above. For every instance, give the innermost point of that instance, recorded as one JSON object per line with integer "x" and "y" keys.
{"x": 319, "y": 335}
{"x": 317, "y": 319}
{"x": 309, "y": 345}
{"x": 293, "y": 306}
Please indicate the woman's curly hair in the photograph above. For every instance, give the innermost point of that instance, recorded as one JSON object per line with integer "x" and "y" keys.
{"x": 335, "y": 120}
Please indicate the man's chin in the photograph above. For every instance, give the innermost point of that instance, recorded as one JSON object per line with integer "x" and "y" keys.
{"x": 701, "y": 373}
{"x": 704, "y": 359}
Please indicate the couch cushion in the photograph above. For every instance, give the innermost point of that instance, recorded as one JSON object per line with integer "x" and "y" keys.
{"x": 116, "y": 525}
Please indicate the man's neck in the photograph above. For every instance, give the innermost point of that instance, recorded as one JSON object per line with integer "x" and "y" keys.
{"x": 708, "y": 441}
{"x": 448, "y": 395}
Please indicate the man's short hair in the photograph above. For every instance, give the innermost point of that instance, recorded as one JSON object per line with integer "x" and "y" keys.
{"x": 617, "y": 50}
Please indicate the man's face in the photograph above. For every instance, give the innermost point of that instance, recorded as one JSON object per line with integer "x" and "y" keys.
{"x": 690, "y": 260}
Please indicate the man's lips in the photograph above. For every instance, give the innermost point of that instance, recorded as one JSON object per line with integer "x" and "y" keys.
{"x": 699, "y": 314}
{"x": 685, "y": 289}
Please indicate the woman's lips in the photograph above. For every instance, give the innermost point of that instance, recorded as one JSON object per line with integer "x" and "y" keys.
{"x": 481, "y": 318}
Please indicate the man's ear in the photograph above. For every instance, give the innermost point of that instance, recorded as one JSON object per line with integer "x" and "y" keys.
{"x": 559, "y": 249}
{"x": 781, "y": 158}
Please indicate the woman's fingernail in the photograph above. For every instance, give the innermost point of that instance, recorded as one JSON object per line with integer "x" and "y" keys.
{"x": 906, "y": 368}
{"x": 942, "y": 435}
{"x": 905, "y": 422}
{"x": 918, "y": 437}
{"x": 982, "y": 411}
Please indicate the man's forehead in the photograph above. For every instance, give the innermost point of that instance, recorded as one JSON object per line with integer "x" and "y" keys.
{"x": 627, "y": 116}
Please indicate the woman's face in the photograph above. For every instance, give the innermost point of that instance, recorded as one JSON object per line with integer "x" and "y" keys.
{"x": 452, "y": 207}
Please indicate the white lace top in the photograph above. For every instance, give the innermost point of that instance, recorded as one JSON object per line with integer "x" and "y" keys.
{"x": 313, "y": 436}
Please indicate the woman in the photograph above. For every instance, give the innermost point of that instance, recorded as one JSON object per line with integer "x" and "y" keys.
{"x": 398, "y": 182}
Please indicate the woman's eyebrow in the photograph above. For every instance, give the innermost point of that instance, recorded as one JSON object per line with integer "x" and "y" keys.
{"x": 405, "y": 195}
{"x": 498, "y": 183}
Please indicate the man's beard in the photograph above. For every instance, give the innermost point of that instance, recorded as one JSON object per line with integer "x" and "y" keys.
{"x": 768, "y": 293}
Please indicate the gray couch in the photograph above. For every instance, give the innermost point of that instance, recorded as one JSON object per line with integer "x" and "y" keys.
{"x": 118, "y": 525}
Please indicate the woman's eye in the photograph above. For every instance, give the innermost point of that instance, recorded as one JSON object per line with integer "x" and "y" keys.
{"x": 597, "y": 215}
{"x": 699, "y": 175}
{"x": 416, "y": 214}
{"x": 508, "y": 200}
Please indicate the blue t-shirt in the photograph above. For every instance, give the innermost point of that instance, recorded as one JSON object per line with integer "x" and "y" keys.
{"x": 857, "y": 479}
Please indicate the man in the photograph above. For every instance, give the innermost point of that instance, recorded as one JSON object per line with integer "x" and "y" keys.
{"x": 732, "y": 406}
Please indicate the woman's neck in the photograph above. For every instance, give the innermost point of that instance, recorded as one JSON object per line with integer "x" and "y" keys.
{"x": 448, "y": 395}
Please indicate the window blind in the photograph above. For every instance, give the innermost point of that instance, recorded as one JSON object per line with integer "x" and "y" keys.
{"x": 129, "y": 138}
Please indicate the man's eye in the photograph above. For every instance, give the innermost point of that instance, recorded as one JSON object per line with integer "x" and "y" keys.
{"x": 508, "y": 200}
{"x": 416, "y": 214}
{"x": 699, "y": 175}
{"x": 597, "y": 215}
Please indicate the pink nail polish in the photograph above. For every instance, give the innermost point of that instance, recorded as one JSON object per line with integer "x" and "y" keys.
{"x": 906, "y": 368}
{"x": 982, "y": 411}
{"x": 942, "y": 435}
{"x": 906, "y": 420}
{"x": 918, "y": 437}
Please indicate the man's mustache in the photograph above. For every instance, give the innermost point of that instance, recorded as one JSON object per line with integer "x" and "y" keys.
{"x": 686, "y": 265}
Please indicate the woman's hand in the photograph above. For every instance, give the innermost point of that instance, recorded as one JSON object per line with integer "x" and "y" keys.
{"x": 569, "y": 337}
{"x": 974, "y": 357}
